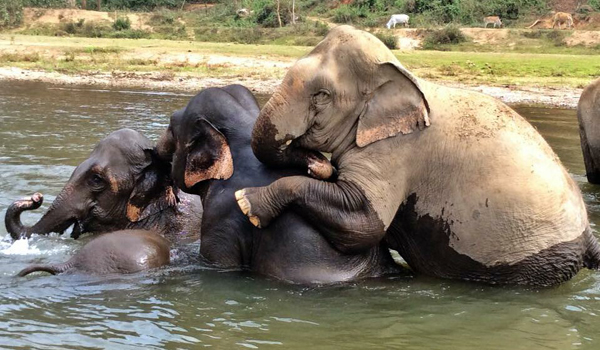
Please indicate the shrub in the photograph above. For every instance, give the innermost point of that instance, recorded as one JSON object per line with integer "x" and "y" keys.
{"x": 437, "y": 38}
{"x": 450, "y": 34}
{"x": 122, "y": 23}
{"x": 11, "y": 13}
{"x": 388, "y": 39}
{"x": 345, "y": 14}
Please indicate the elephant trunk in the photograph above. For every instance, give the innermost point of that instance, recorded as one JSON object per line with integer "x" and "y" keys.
{"x": 50, "y": 268}
{"x": 57, "y": 219}
{"x": 277, "y": 127}
{"x": 13, "y": 223}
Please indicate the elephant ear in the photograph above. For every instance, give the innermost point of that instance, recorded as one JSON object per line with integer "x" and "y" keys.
{"x": 209, "y": 156}
{"x": 153, "y": 191}
{"x": 396, "y": 106}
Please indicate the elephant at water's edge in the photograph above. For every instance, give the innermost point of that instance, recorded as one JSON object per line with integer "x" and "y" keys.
{"x": 455, "y": 181}
{"x": 588, "y": 114}
{"x": 121, "y": 185}
{"x": 209, "y": 145}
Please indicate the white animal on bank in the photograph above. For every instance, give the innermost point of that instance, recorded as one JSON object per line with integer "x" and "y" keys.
{"x": 397, "y": 19}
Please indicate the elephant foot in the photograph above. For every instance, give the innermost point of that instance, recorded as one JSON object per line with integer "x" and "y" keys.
{"x": 248, "y": 200}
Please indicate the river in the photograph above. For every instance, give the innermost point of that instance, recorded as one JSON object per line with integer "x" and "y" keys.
{"x": 47, "y": 130}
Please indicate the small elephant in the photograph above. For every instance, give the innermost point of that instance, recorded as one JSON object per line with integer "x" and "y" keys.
{"x": 209, "y": 145}
{"x": 122, "y": 185}
{"x": 456, "y": 181}
{"x": 588, "y": 114}
{"x": 126, "y": 251}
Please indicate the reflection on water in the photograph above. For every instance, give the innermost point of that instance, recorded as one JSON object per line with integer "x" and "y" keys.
{"x": 47, "y": 130}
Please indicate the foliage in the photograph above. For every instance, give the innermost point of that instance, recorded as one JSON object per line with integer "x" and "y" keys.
{"x": 595, "y": 4}
{"x": 388, "y": 39}
{"x": 11, "y": 13}
{"x": 135, "y": 5}
{"x": 122, "y": 23}
{"x": 450, "y": 34}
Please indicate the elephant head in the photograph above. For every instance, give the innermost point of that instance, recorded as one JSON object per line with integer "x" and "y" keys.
{"x": 588, "y": 113}
{"x": 122, "y": 183}
{"x": 198, "y": 138}
{"x": 349, "y": 91}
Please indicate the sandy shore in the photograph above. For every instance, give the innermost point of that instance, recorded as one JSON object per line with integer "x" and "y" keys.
{"x": 556, "y": 97}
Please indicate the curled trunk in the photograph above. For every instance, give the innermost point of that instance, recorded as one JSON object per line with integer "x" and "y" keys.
{"x": 56, "y": 219}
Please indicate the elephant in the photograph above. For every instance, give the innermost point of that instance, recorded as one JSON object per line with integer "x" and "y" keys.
{"x": 125, "y": 251}
{"x": 588, "y": 114}
{"x": 123, "y": 184}
{"x": 208, "y": 144}
{"x": 455, "y": 181}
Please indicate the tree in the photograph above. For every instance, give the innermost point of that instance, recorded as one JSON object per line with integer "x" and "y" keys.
{"x": 84, "y": 4}
{"x": 99, "y": 5}
{"x": 293, "y": 11}
{"x": 278, "y": 16}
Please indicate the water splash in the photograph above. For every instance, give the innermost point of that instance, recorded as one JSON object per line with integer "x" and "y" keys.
{"x": 21, "y": 247}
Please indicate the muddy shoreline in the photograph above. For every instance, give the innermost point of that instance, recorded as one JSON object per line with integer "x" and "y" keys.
{"x": 553, "y": 97}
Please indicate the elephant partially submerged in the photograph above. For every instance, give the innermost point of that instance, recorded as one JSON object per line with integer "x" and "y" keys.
{"x": 455, "y": 181}
{"x": 122, "y": 185}
{"x": 209, "y": 145}
{"x": 588, "y": 113}
{"x": 126, "y": 251}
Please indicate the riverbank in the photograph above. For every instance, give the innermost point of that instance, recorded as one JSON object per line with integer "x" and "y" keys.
{"x": 548, "y": 96}
{"x": 548, "y": 79}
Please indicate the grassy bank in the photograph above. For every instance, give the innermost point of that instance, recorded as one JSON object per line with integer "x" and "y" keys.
{"x": 188, "y": 58}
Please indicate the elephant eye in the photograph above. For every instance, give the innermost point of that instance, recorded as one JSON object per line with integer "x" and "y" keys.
{"x": 96, "y": 181}
{"x": 321, "y": 97}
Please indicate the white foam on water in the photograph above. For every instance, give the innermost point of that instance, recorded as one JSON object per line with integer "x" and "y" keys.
{"x": 20, "y": 247}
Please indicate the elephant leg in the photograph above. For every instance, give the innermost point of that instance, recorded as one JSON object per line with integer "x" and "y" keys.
{"x": 340, "y": 210}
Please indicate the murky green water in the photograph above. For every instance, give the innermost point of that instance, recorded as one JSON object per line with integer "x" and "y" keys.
{"x": 47, "y": 130}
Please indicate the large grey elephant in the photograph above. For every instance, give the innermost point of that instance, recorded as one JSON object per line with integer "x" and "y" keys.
{"x": 455, "y": 181}
{"x": 588, "y": 113}
{"x": 121, "y": 185}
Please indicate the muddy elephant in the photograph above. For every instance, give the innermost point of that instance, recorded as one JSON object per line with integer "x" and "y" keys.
{"x": 126, "y": 251}
{"x": 121, "y": 185}
{"x": 209, "y": 146}
{"x": 588, "y": 114}
{"x": 455, "y": 181}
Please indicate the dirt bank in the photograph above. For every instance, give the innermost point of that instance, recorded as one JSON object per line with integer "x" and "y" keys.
{"x": 558, "y": 97}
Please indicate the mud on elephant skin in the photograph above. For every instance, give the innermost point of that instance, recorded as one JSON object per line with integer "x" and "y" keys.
{"x": 455, "y": 181}
{"x": 209, "y": 145}
{"x": 123, "y": 184}
{"x": 126, "y": 251}
{"x": 588, "y": 114}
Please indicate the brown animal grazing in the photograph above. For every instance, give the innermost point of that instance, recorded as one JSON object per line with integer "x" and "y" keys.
{"x": 126, "y": 251}
{"x": 562, "y": 18}
{"x": 495, "y": 20}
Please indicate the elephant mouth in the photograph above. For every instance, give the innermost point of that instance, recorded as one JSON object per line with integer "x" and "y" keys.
{"x": 76, "y": 231}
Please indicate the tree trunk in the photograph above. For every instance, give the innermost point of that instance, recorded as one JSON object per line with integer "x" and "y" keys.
{"x": 99, "y": 5}
{"x": 71, "y": 4}
{"x": 84, "y": 4}
{"x": 278, "y": 16}
{"x": 293, "y": 11}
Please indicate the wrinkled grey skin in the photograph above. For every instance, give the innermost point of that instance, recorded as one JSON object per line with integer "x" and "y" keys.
{"x": 588, "y": 114}
{"x": 122, "y": 185}
{"x": 126, "y": 251}
{"x": 209, "y": 145}
{"x": 455, "y": 181}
